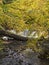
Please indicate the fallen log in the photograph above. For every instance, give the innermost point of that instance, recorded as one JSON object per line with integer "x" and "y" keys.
{"x": 11, "y": 35}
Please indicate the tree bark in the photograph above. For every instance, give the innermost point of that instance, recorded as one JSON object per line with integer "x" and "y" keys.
{"x": 16, "y": 37}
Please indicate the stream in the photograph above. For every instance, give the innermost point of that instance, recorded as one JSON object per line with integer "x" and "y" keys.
{"x": 19, "y": 55}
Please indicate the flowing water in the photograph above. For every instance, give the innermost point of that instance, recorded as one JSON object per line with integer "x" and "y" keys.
{"x": 19, "y": 55}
